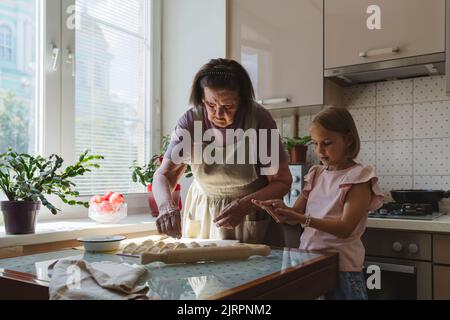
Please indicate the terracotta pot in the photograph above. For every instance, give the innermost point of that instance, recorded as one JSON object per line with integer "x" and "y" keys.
{"x": 152, "y": 202}
{"x": 298, "y": 154}
{"x": 20, "y": 216}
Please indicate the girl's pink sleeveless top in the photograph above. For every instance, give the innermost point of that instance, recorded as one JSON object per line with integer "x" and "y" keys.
{"x": 325, "y": 192}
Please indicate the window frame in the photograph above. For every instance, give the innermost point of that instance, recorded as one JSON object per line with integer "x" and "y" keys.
{"x": 3, "y": 44}
{"x": 58, "y": 99}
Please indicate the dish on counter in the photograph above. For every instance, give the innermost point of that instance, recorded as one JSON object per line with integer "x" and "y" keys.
{"x": 101, "y": 243}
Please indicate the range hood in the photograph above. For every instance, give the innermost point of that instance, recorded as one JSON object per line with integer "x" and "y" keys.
{"x": 433, "y": 64}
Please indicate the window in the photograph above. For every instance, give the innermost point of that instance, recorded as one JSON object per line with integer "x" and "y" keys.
{"x": 111, "y": 90}
{"x": 19, "y": 86}
{"x": 5, "y": 43}
{"x": 64, "y": 90}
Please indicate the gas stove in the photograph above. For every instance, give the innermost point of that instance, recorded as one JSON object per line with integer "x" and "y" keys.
{"x": 410, "y": 211}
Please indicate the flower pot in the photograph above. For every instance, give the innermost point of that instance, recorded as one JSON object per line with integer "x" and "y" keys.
{"x": 20, "y": 216}
{"x": 298, "y": 154}
{"x": 152, "y": 202}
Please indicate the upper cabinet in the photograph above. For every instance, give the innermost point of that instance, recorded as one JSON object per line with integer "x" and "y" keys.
{"x": 363, "y": 31}
{"x": 280, "y": 43}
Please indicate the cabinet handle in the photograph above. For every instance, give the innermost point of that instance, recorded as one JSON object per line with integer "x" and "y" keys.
{"x": 273, "y": 101}
{"x": 378, "y": 52}
{"x": 400, "y": 268}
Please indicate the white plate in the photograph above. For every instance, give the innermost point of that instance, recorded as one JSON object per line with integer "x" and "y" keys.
{"x": 101, "y": 243}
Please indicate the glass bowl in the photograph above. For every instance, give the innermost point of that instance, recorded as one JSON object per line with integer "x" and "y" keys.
{"x": 117, "y": 213}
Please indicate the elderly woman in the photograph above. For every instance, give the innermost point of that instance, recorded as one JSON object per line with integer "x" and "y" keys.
{"x": 218, "y": 204}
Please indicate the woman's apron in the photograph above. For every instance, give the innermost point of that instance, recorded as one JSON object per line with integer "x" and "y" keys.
{"x": 214, "y": 187}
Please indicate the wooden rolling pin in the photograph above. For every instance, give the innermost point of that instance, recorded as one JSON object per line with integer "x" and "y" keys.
{"x": 187, "y": 255}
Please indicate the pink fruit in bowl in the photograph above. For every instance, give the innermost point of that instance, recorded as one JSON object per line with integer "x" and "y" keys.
{"x": 96, "y": 200}
{"x": 108, "y": 195}
{"x": 116, "y": 198}
{"x": 106, "y": 206}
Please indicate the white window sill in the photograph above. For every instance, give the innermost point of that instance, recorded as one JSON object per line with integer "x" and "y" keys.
{"x": 70, "y": 229}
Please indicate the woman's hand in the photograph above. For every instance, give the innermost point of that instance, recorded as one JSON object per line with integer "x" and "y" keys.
{"x": 232, "y": 215}
{"x": 279, "y": 211}
{"x": 170, "y": 223}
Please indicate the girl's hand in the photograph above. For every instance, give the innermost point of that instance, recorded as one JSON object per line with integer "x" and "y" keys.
{"x": 290, "y": 216}
{"x": 272, "y": 207}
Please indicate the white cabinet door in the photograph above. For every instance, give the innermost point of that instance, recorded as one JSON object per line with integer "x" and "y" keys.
{"x": 280, "y": 43}
{"x": 414, "y": 27}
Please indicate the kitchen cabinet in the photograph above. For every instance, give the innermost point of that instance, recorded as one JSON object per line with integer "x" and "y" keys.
{"x": 441, "y": 249}
{"x": 441, "y": 269}
{"x": 408, "y": 28}
{"x": 415, "y": 260}
{"x": 280, "y": 43}
{"x": 441, "y": 282}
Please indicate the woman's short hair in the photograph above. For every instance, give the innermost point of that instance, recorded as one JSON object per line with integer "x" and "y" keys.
{"x": 340, "y": 120}
{"x": 222, "y": 74}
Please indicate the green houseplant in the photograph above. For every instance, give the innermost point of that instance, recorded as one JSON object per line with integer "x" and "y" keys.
{"x": 297, "y": 148}
{"x": 144, "y": 174}
{"x": 27, "y": 180}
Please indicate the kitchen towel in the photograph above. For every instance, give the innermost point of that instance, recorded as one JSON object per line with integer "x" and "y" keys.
{"x": 73, "y": 279}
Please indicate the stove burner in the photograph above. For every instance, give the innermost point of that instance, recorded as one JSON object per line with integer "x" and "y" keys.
{"x": 420, "y": 211}
{"x": 406, "y": 208}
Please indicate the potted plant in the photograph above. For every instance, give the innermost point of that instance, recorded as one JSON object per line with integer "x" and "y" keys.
{"x": 27, "y": 180}
{"x": 297, "y": 148}
{"x": 144, "y": 175}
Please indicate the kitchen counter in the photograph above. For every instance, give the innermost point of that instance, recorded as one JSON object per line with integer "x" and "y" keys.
{"x": 70, "y": 229}
{"x": 439, "y": 225}
{"x": 284, "y": 274}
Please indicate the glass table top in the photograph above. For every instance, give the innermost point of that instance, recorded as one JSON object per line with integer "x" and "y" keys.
{"x": 175, "y": 281}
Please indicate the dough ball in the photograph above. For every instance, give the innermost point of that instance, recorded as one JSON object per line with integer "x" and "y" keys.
{"x": 140, "y": 249}
{"x": 194, "y": 245}
{"x": 169, "y": 246}
{"x": 148, "y": 243}
{"x": 180, "y": 246}
{"x": 155, "y": 250}
{"x": 160, "y": 244}
{"x": 129, "y": 248}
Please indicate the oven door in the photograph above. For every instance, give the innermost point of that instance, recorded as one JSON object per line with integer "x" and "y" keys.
{"x": 400, "y": 279}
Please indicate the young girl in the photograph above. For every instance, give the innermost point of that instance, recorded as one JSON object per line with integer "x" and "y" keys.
{"x": 335, "y": 201}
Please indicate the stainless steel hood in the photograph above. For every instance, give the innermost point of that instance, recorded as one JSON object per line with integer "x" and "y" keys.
{"x": 433, "y": 64}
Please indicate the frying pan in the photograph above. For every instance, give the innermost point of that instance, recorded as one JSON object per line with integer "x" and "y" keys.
{"x": 419, "y": 196}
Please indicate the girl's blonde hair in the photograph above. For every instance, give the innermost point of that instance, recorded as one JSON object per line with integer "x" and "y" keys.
{"x": 341, "y": 121}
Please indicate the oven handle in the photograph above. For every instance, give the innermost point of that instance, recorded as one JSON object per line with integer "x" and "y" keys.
{"x": 400, "y": 268}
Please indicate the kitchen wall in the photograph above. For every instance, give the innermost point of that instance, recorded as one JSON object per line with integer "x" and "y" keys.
{"x": 193, "y": 33}
{"x": 405, "y": 132}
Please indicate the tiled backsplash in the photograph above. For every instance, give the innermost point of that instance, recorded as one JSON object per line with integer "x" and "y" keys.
{"x": 405, "y": 132}
{"x": 404, "y": 128}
